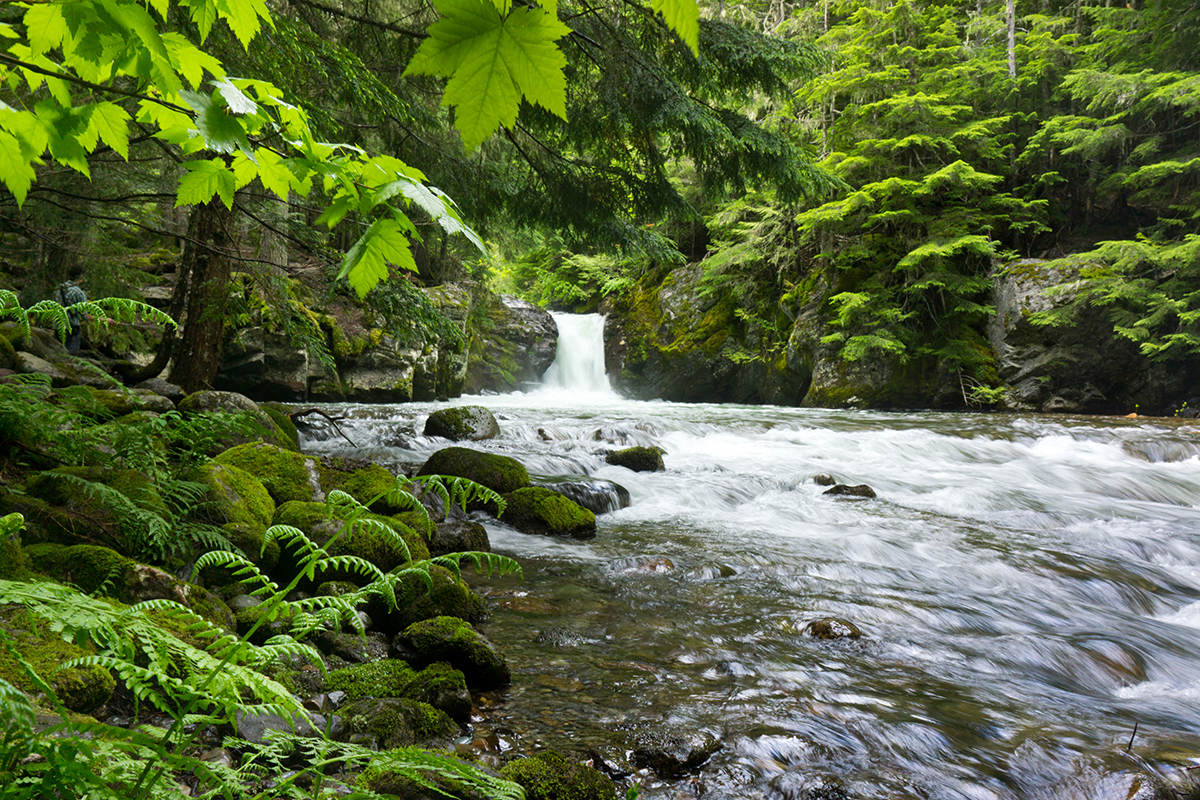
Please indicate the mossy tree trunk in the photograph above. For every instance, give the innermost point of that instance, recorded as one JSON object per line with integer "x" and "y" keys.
{"x": 208, "y": 260}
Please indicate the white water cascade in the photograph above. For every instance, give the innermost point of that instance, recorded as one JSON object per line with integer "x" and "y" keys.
{"x": 579, "y": 361}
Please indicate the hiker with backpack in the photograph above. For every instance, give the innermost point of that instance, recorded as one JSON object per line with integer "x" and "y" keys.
{"x": 68, "y": 294}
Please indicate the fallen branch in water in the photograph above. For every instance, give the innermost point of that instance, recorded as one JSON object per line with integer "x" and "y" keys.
{"x": 296, "y": 415}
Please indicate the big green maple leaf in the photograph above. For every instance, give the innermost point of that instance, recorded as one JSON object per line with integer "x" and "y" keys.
{"x": 493, "y": 61}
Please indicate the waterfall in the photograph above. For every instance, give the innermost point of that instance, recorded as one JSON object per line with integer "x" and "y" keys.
{"x": 579, "y": 361}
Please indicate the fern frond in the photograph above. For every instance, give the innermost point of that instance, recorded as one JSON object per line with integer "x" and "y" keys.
{"x": 383, "y": 529}
{"x": 486, "y": 564}
{"x": 460, "y": 491}
{"x": 245, "y": 570}
{"x": 147, "y": 535}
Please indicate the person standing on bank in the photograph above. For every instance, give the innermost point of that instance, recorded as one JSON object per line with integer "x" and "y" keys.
{"x": 68, "y": 293}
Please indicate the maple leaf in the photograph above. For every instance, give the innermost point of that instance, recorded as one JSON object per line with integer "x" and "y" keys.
{"x": 493, "y": 62}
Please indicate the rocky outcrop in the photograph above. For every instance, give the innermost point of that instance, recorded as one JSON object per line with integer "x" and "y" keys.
{"x": 676, "y": 341}
{"x": 1082, "y": 366}
{"x": 512, "y": 345}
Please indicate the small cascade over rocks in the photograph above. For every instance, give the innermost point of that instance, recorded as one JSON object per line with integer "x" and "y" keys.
{"x": 579, "y": 361}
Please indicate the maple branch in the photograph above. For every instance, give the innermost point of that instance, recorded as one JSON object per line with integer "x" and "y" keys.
{"x": 96, "y": 87}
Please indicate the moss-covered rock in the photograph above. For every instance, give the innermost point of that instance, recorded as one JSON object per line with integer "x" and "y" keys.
{"x": 638, "y": 459}
{"x": 235, "y": 496}
{"x": 278, "y": 413}
{"x": 261, "y": 428}
{"x": 286, "y": 475}
{"x": 550, "y": 776}
{"x": 63, "y": 487}
{"x": 385, "y": 548}
{"x": 462, "y": 423}
{"x": 454, "y": 641}
{"x": 81, "y": 689}
{"x": 539, "y": 510}
{"x": 392, "y": 722}
{"x": 49, "y": 523}
{"x": 365, "y": 481}
{"x": 439, "y": 685}
{"x": 499, "y": 473}
{"x": 459, "y": 536}
{"x": 383, "y": 776}
{"x": 8, "y": 354}
{"x": 415, "y": 601}
{"x": 100, "y": 570}
{"x": 117, "y": 402}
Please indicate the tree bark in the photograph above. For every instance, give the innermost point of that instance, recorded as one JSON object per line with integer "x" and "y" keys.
{"x": 206, "y": 258}
{"x": 1011, "y": 12}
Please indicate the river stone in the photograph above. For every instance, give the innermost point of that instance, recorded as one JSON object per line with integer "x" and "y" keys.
{"x": 549, "y": 776}
{"x": 459, "y": 536}
{"x": 832, "y": 628}
{"x": 462, "y": 423}
{"x": 824, "y": 479}
{"x": 798, "y": 785}
{"x": 454, "y": 641}
{"x": 439, "y": 684}
{"x": 159, "y": 386}
{"x": 638, "y": 459}
{"x": 595, "y": 494}
{"x": 391, "y": 722}
{"x": 672, "y": 753}
{"x": 842, "y": 490}
{"x": 501, "y": 474}
{"x": 541, "y": 511}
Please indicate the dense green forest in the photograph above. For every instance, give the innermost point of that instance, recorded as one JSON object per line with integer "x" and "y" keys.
{"x": 881, "y": 163}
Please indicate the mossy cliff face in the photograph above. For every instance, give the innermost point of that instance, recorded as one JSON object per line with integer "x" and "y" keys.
{"x": 512, "y": 344}
{"x": 676, "y": 341}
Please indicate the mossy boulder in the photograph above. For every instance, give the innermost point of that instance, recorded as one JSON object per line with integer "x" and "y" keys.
{"x": 262, "y": 427}
{"x": 365, "y": 481}
{"x": 368, "y": 542}
{"x": 117, "y": 402}
{"x": 81, "y": 689}
{"x": 416, "y": 601}
{"x": 439, "y": 685}
{"x": 14, "y": 564}
{"x": 457, "y": 643}
{"x": 384, "y": 776}
{"x": 462, "y": 423}
{"x": 539, "y": 510}
{"x": 284, "y": 474}
{"x": 278, "y": 413}
{"x": 459, "y": 536}
{"x": 50, "y": 523}
{"x": 100, "y": 570}
{"x": 638, "y": 459}
{"x": 550, "y": 776}
{"x": 71, "y": 487}
{"x": 499, "y": 473}
{"x": 391, "y": 722}
{"x": 8, "y": 354}
{"x": 235, "y": 496}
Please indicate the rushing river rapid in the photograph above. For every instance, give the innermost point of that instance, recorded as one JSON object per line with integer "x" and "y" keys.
{"x": 1028, "y": 589}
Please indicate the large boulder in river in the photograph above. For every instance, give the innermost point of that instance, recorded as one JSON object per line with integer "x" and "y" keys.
{"x": 1082, "y": 365}
{"x": 638, "y": 459}
{"x": 536, "y": 509}
{"x": 513, "y": 344}
{"x": 462, "y": 423}
{"x": 679, "y": 340}
{"x": 501, "y": 474}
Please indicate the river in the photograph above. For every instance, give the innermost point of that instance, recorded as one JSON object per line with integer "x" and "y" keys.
{"x": 1028, "y": 588}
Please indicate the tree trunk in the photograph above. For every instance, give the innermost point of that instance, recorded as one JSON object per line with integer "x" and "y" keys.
{"x": 207, "y": 259}
{"x": 1012, "y": 39}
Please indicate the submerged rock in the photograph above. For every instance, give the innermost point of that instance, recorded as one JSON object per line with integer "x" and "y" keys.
{"x": 672, "y": 753}
{"x": 462, "y": 423}
{"x": 832, "y": 628}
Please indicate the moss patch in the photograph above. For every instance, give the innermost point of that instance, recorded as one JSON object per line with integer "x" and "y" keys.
{"x": 415, "y": 601}
{"x": 543, "y": 511}
{"x": 278, "y": 414}
{"x": 550, "y": 776}
{"x": 439, "y": 685}
{"x": 362, "y": 480}
{"x": 397, "y": 722}
{"x": 454, "y": 641}
{"x": 285, "y": 475}
{"x": 81, "y": 689}
{"x": 499, "y": 473}
{"x": 237, "y": 497}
